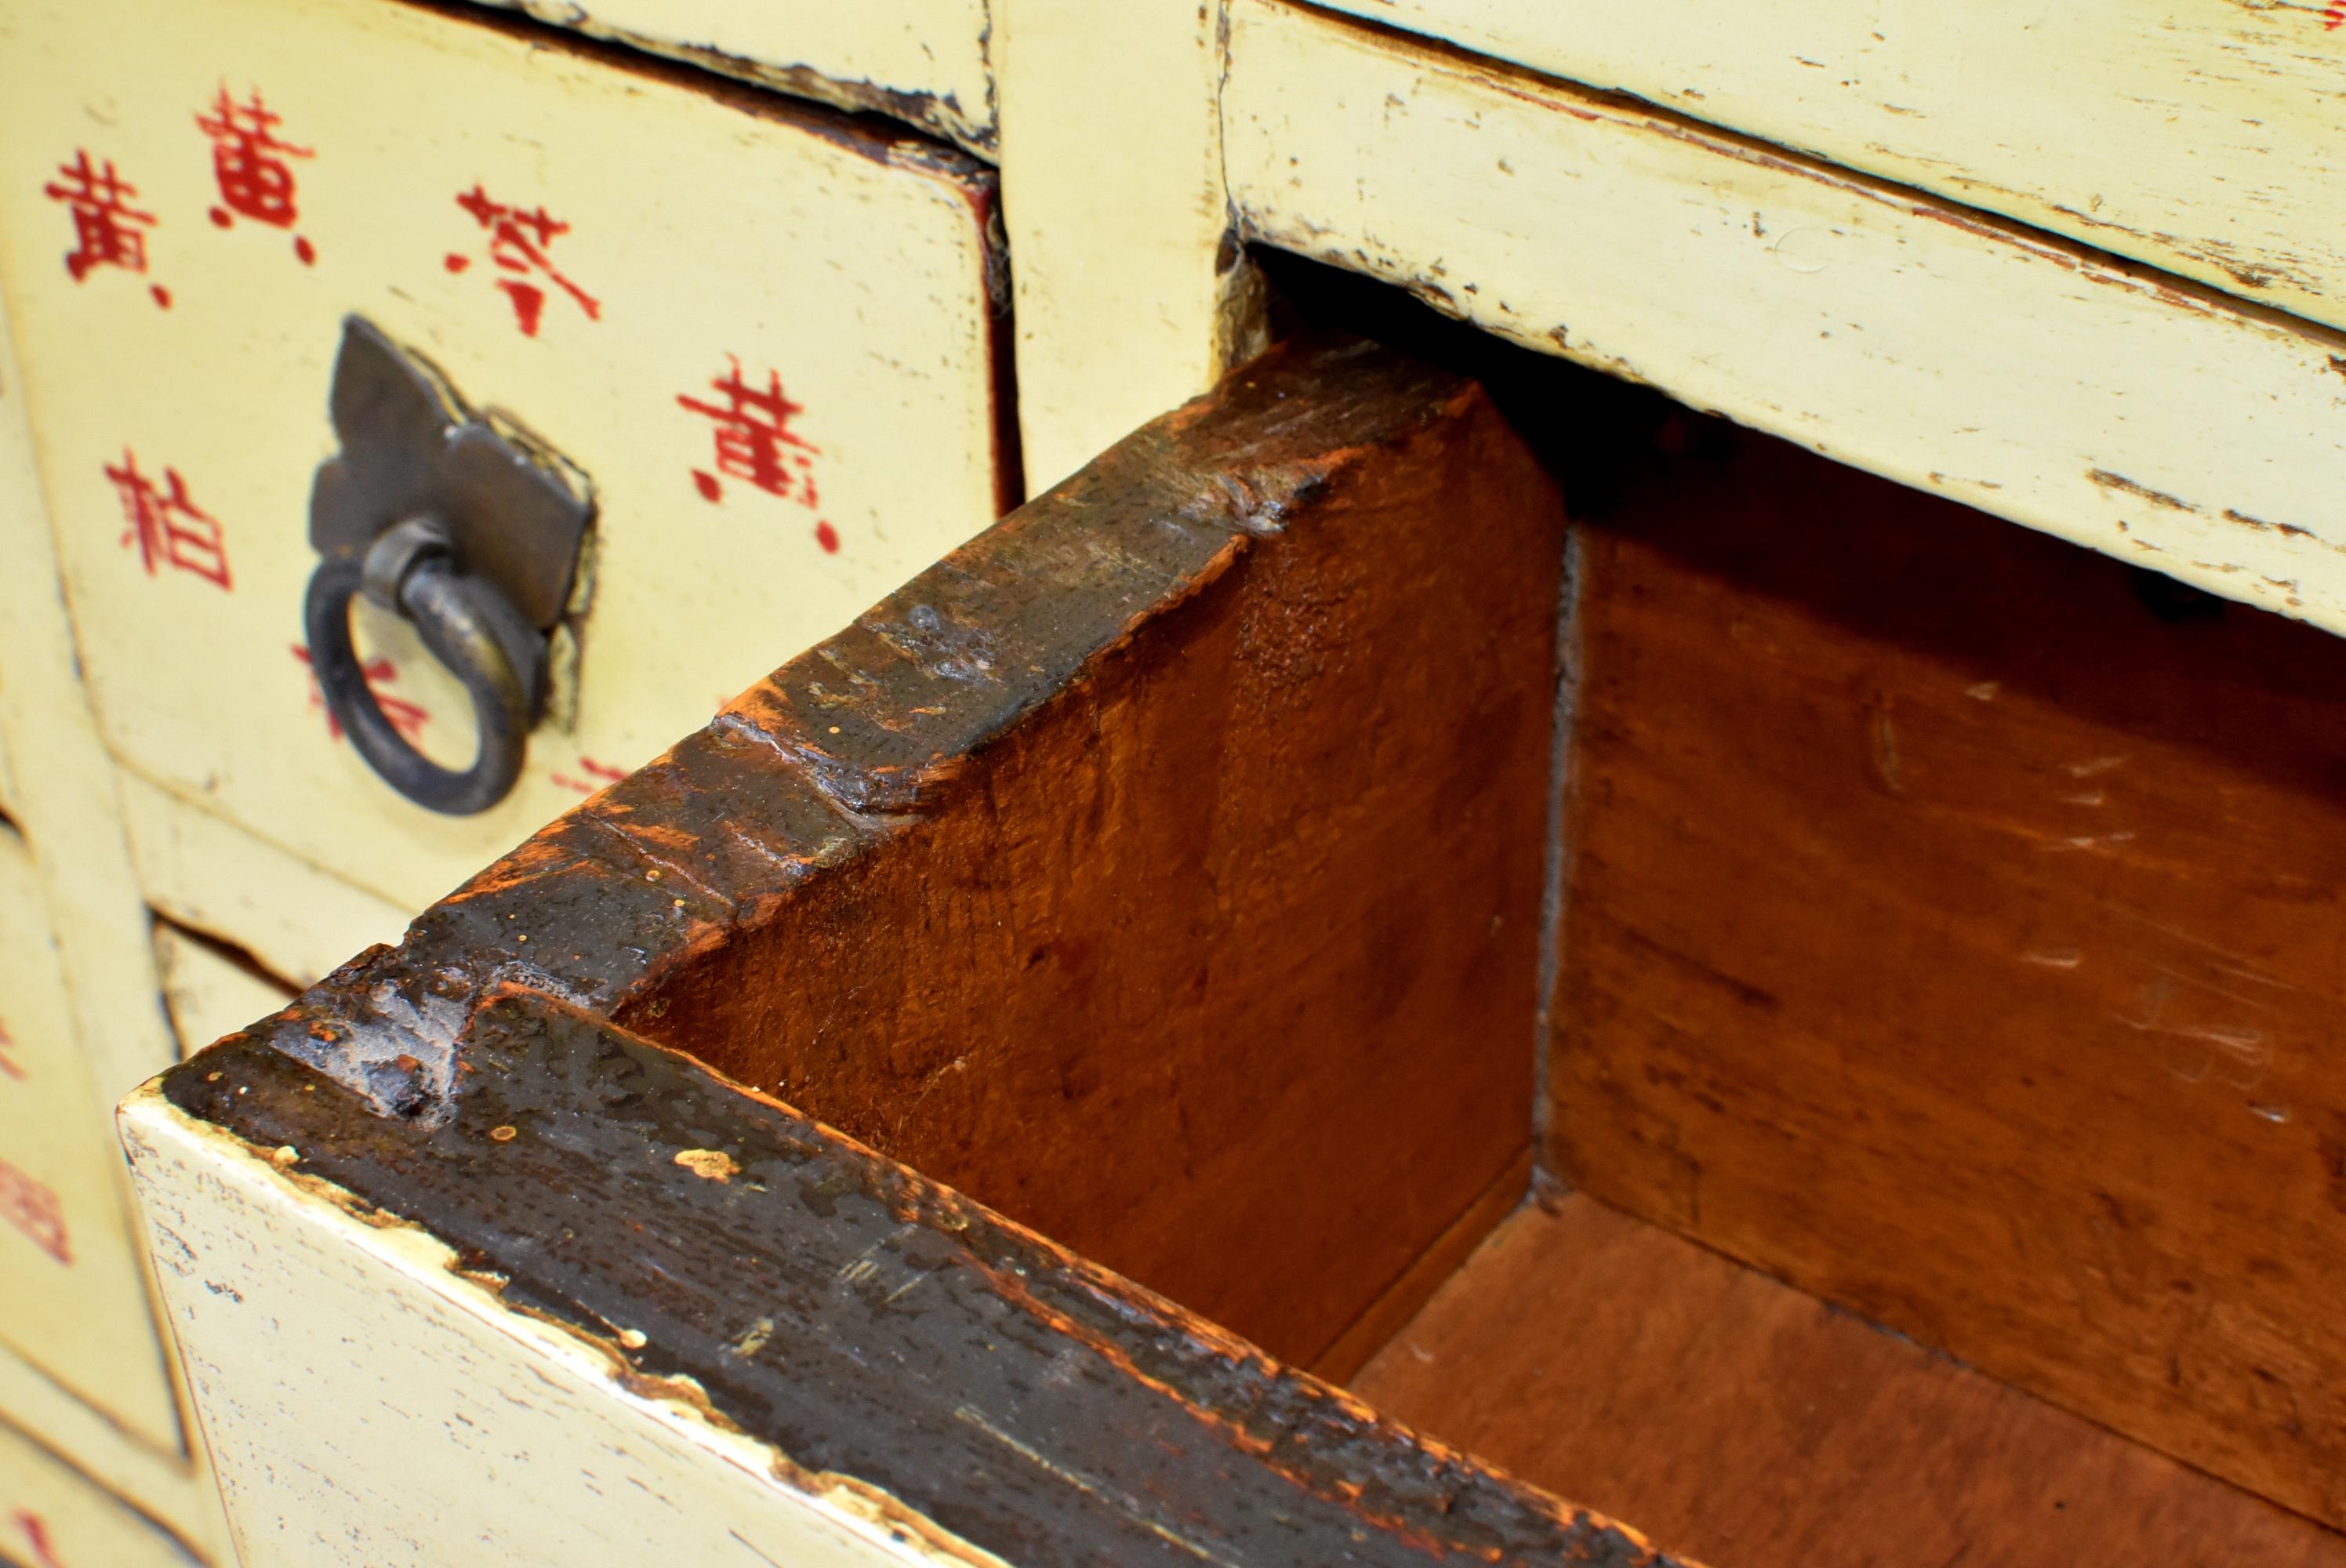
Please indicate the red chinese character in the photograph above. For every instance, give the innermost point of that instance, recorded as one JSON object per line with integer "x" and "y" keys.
{"x": 8, "y": 1064}
{"x": 107, "y": 230}
{"x": 37, "y": 1533}
{"x": 602, "y": 770}
{"x": 511, "y": 246}
{"x": 249, "y": 165}
{"x": 34, "y": 1209}
{"x": 753, "y": 428}
{"x": 166, "y": 525}
{"x": 407, "y": 717}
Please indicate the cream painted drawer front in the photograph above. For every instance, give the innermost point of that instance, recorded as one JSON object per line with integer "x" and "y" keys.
{"x": 2202, "y": 137}
{"x": 77, "y": 1301}
{"x": 2172, "y": 426}
{"x": 595, "y": 242}
{"x": 925, "y": 61}
{"x": 52, "y": 1516}
{"x": 207, "y": 991}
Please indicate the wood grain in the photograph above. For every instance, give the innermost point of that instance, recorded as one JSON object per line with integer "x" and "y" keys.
{"x": 1956, "y": 933}
{"x": 1753, "y": 1426}
{"x": 1253, "y": 902}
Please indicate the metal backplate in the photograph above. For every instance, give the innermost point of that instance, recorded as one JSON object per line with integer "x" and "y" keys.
{"x": 517, "y": 513}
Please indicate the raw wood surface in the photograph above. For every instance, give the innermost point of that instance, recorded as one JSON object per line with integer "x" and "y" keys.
{"x": 1401, "y": 1301}
{"x": 1256, "y": 707}
{"x": 2200, "y": 136}
{"x": 1252, "y": 900}
{"x": 1738, "y": 1419}
{"x": 2167, "y": 423}
{"x": 1956, "y": 933}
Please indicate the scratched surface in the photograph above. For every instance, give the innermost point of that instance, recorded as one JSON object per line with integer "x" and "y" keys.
{"x": 870, "y": 1323}
{"x": 928, "y": 63}
{"x": 1956, "y": 934}
{"x": 2157, "y": 420}
{"x": 2201, "y": 136}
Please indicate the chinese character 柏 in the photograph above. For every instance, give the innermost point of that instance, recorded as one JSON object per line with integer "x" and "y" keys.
{"x": 166, "y": 525}
{"x": 518, "y": 242}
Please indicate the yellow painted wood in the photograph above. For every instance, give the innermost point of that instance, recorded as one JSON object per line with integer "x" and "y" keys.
{"x": 705, "y": 222}
{"x": 53, "y": 1516}
{"x": 922, "y": 61}
{"x": 66, "y": 801}
{"x": 346, "y": 1369}
{"x": 1132, "y": 295}
{"x": 208, "y": 993}
{"x": 175, "y": 1492}
{"x": 2204, "y": 135}
{"x": 297, "y": 920}
{"x": 2172, "y": 427}
{"x": 76, "y": 1301}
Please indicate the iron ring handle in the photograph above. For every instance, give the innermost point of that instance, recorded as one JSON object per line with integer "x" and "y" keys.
{"x": 469, "y": 627}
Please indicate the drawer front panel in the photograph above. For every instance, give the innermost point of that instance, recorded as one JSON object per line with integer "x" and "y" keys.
{"x": 53, "y": 1516}
{"x": 77, "y": 1304}
{"x": 1883, "y": 328}
{"x": 734, "y": 314}
{"x": 209, "y": 989}
{"x": 2201, "y": 137}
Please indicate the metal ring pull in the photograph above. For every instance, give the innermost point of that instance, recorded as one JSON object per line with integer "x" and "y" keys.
{"x": 469, "y": 625}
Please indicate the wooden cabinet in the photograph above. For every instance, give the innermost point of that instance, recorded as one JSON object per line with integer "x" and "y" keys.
{"x": 1295, "y": 906}
{"x": 1297, "y": 916}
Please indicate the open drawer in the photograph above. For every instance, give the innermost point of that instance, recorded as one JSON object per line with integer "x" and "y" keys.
{"x": 977, "y": 1098}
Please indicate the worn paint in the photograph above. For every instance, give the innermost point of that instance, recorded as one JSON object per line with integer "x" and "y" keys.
{"x": 1072, "y": 1436}
{"x": 1131, "y": 295}
{"x": 1882, "y": 326}
{"x": 925, "y": 62}
{"x": 2201, "y": 137}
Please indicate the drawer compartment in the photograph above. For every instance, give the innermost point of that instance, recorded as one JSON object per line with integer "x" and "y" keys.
{"x": 730, "y": 314}
{"x": 1010, "y": 1066}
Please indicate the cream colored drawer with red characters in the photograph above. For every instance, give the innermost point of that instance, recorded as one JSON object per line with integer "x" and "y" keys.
{"x": 658, "y": 373}
{"x": 76, "y": 1300}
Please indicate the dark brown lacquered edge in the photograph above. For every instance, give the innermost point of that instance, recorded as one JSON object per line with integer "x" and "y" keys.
{"x": 1037, "y": 1406}
{"x": 883, "y": 1327}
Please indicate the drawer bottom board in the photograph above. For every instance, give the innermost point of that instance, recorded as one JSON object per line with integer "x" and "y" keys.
{"x": 1746, "y": 1423}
